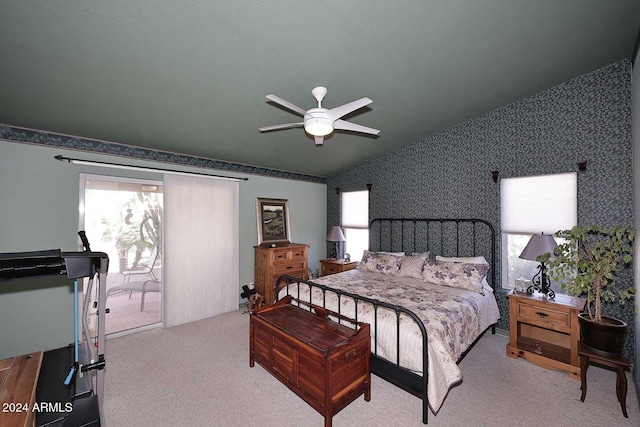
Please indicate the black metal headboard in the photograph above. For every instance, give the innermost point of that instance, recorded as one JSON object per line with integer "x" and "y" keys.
{"x": 459, "y": 237}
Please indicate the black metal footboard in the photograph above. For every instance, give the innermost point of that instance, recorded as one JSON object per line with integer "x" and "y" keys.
{"x": 390, "y": 371}
{"x": 453, "y": 237}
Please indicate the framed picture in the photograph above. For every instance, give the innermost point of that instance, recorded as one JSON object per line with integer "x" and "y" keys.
{"x": 273, "y": 221}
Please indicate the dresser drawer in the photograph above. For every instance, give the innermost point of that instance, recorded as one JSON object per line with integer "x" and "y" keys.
{"x": 301, "y": 274}
{"x": 286, "y": 255}
{"x": 544, "y": 317}
{"x": 288, "y": 268}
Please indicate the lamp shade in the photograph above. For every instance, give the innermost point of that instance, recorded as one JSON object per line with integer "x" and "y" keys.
{"x": 335, "y": 234}
{"x": 539, "y": 244}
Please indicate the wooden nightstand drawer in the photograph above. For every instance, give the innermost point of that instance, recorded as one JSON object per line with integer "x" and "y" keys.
{"x": 333, "y": 266}
{"x": 544, "y": 317}
{"x": 331, "y": 269}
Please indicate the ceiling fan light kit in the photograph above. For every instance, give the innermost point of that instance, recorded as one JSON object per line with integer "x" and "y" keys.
{"x": 317, "y": 123}
{"x": 320, "y": 122}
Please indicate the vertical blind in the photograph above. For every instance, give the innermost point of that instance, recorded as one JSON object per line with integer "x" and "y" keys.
{"x": 546, "y": 203}
{"x": 201, "y": 248}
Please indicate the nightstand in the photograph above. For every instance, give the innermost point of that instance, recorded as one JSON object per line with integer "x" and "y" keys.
{"x": 544, "y": 331}
{"x": 333, "y": 266}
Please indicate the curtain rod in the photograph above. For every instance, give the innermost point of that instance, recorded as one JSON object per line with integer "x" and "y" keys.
{"x": 144, "y": 169}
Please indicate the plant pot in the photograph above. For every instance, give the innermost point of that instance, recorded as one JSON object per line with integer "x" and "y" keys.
{"x": 606, "y": 338}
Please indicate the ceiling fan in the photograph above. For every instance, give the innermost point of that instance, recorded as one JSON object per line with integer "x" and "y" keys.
{"x": 320, "y": 121}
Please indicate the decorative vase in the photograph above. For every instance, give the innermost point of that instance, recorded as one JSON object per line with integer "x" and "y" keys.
{"x": 606, "y": 338}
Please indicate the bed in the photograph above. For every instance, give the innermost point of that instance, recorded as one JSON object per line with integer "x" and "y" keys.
{"x": 426, "y": 288}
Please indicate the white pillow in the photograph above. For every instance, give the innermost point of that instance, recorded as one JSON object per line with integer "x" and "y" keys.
{"x": 390, "y": 253}
{"x": 423, "y": 255}
{"x": 467, "y": 260}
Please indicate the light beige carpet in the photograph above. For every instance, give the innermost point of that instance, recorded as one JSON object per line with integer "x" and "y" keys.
{"x": 198, "y": 375}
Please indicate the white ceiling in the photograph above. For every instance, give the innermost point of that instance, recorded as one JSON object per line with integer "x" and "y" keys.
{"x": 191, "y": 76}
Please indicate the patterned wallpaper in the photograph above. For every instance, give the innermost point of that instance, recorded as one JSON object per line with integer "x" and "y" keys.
{"x": 449, "y": 174}
{"x": 51, "y": 139}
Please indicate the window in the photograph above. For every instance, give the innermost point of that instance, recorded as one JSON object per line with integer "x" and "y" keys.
{"x": 533, "y": 205}
{"x": 355, "y": 222}
{"x": 124, "y": 218}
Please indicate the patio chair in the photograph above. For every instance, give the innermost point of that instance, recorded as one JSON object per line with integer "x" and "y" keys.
{"x": 146, "y": 270}
{"x": 150, "y": 283}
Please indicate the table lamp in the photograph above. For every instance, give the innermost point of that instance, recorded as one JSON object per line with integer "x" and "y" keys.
{"x": 539, "y": 244}
{"x": 335, "y": 235}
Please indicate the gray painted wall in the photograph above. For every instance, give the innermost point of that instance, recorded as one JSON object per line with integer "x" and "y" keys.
{"x": 449, "y": 174}
{"x": 39, "y": 210}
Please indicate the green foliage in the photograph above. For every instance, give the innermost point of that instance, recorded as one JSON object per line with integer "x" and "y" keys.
{"x": 128, "y": 232}
{"x": 588, "y": 262}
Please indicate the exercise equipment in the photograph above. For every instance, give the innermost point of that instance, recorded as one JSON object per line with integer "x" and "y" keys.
{"x": 72, "y": 374}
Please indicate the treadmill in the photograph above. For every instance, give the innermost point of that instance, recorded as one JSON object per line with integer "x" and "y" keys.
{"x": 71, "y": 379}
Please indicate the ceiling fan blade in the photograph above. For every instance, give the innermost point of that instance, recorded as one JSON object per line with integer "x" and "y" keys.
{"x": 286, "y": 104}
{"x": 282, "y": 126}
{"x": 345, "y": 125}
{"x": 336, "y": 113}
{"x": 319, "y": 140}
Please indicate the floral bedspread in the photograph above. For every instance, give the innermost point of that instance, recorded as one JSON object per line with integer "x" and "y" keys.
{"x": 453, "y": 318}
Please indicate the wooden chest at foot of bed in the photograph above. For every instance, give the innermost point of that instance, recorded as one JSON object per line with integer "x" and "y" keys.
{"x": 325, "y": 363}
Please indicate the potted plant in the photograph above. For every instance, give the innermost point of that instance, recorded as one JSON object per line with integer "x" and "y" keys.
{"x": 587, "y": 264}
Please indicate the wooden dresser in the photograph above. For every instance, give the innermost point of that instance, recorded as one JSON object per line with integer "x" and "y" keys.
{"x": 326, "y": 364}
{"x": 271, "y": 263}
{"x": 545, "y": 332}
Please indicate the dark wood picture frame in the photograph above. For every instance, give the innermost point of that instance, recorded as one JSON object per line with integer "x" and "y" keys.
{"x": 273, "y": 221}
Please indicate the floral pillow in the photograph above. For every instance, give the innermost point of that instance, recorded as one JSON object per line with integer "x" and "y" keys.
{"x": 455, "y": 275}
{"x": 379, "y": 263}
{"x": 411, "y": 266}
{"x": 469, "y": 260}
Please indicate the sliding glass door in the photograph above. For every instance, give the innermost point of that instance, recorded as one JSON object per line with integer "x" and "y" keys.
{"x": 124, "y": 218}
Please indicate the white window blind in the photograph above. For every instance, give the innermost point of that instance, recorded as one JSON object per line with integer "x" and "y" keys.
{"x": 355, "y": 222}
{"x": 355, "y": 209}
{"x": 531, "y": 205}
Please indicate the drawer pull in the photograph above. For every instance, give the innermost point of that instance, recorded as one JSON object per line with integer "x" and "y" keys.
{"x": 541, "y": 314}
{"x": 538, "y": 349}
{"x": 350, "y": 354}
